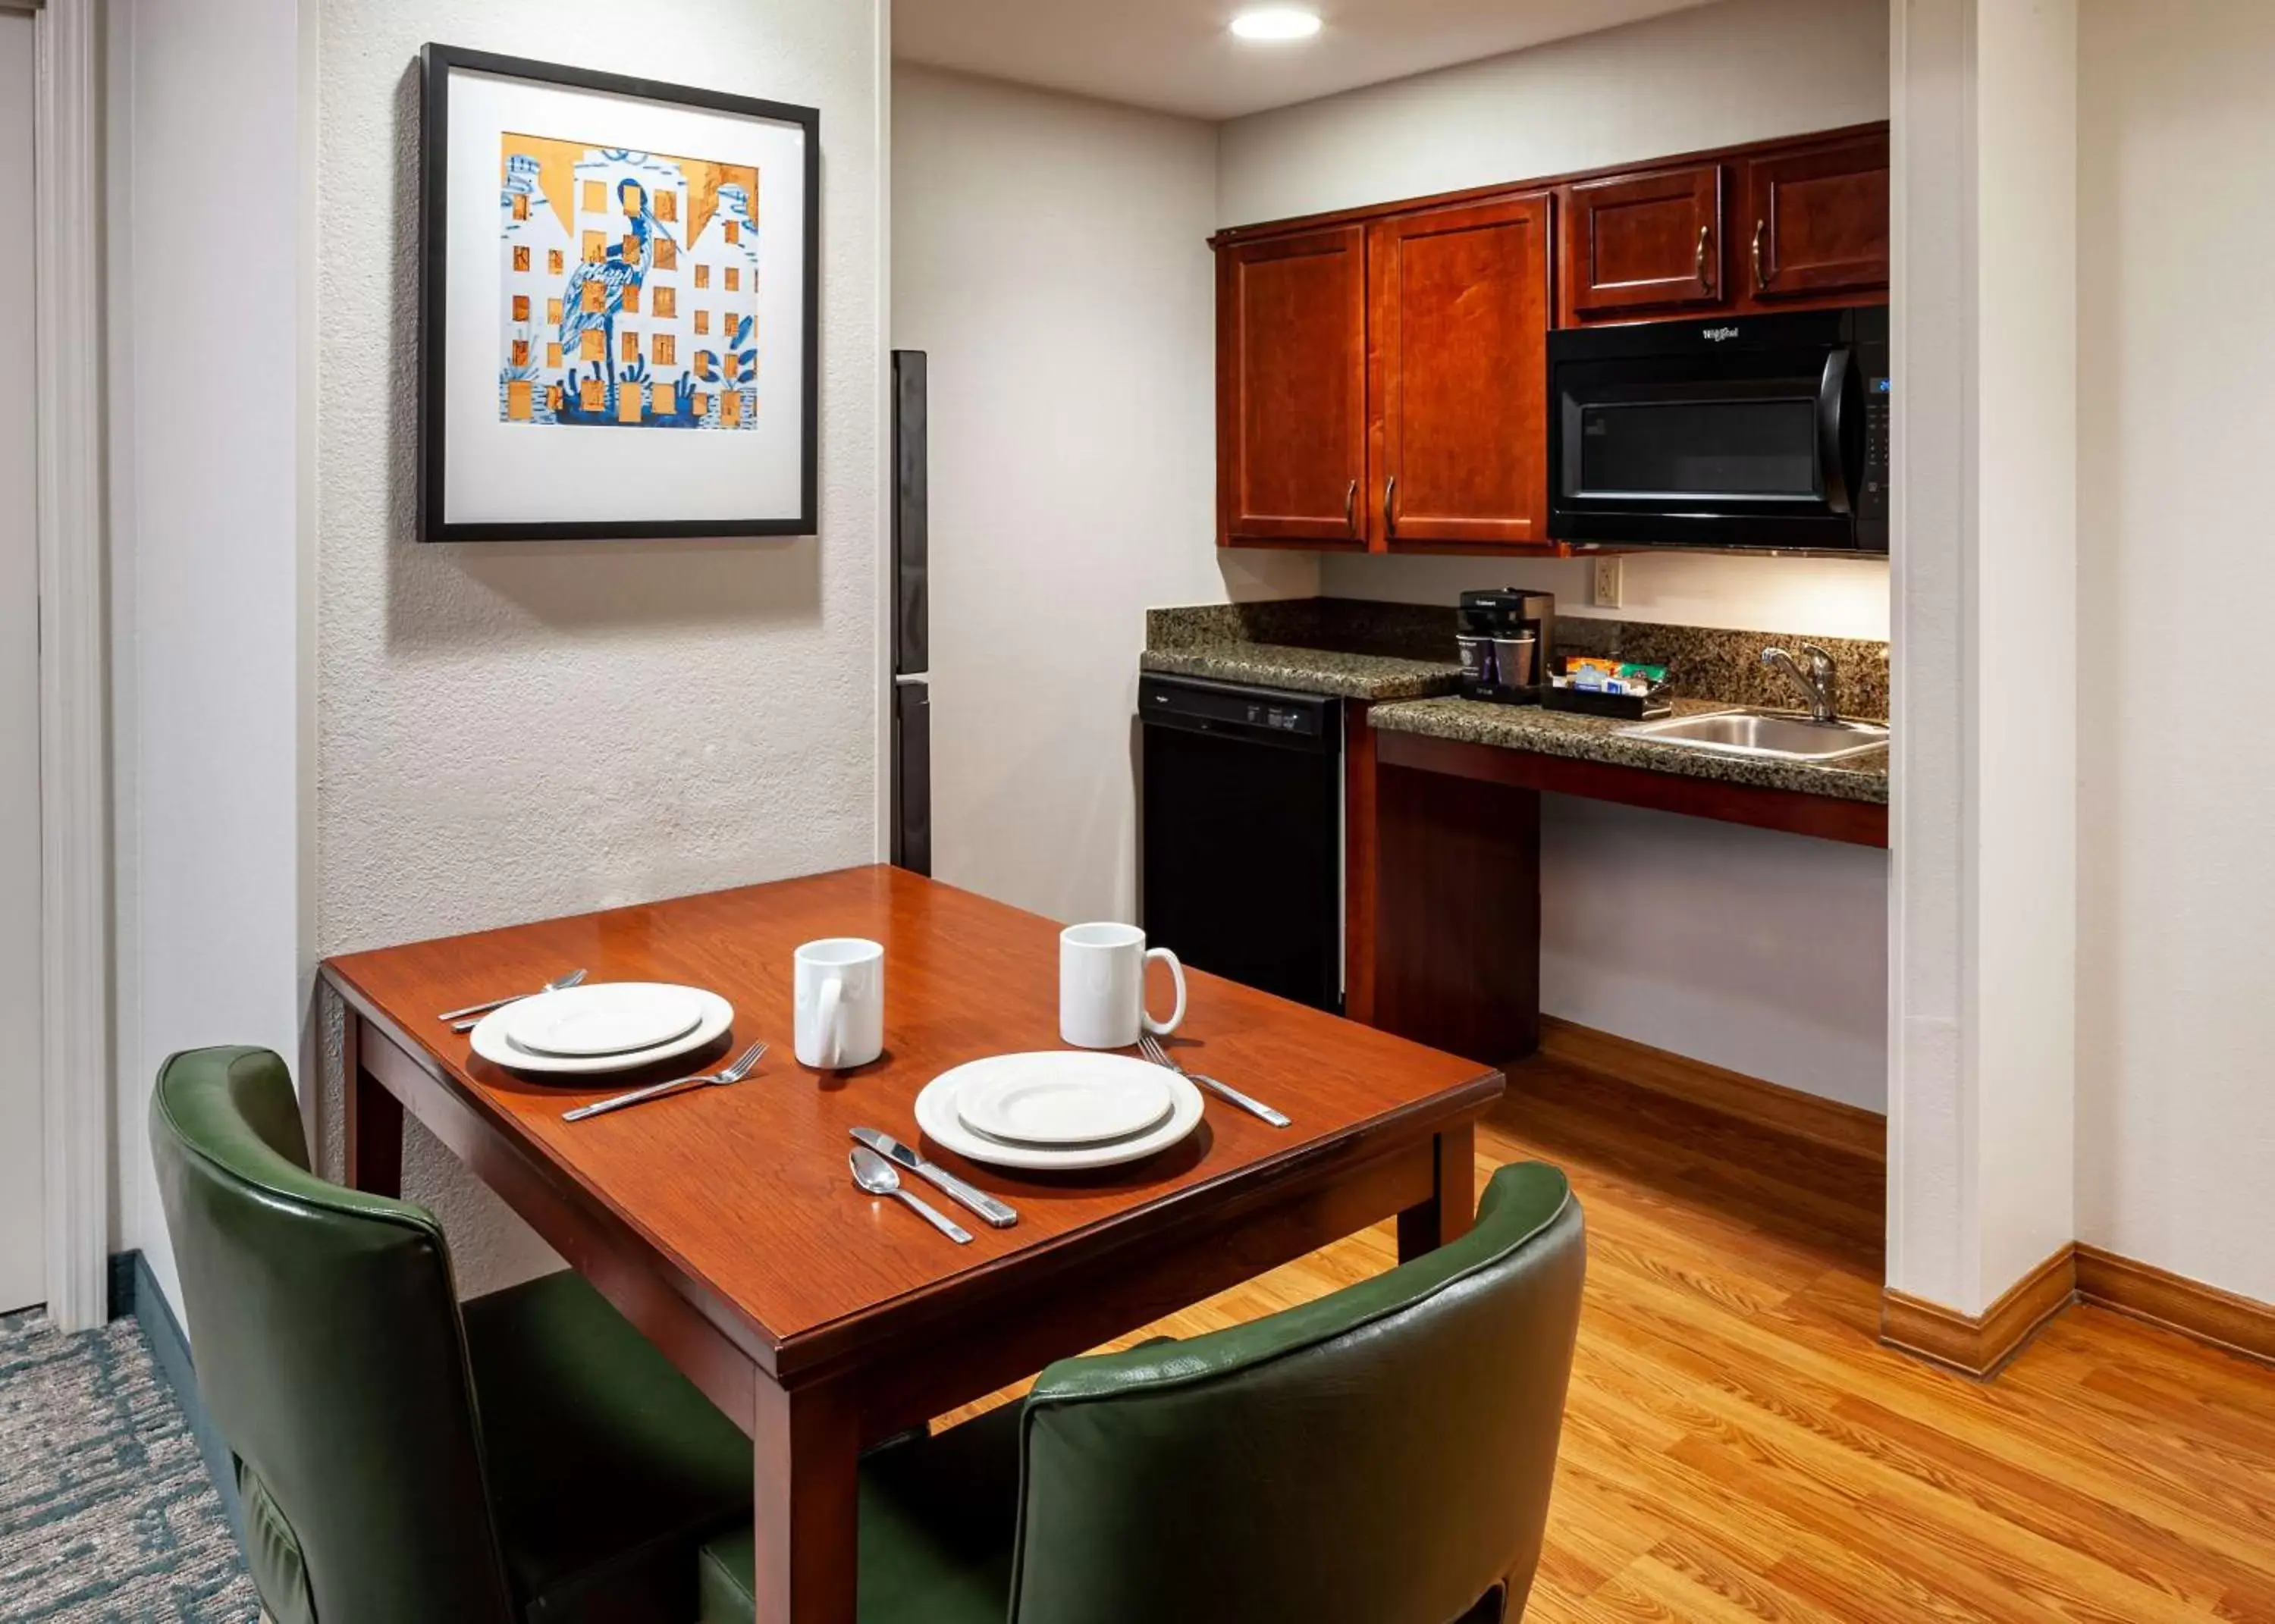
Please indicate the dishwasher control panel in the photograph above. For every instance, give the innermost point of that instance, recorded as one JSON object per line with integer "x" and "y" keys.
{"x": 1200, "y": 706}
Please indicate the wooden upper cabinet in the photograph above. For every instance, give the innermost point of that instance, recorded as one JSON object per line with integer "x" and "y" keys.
{"x": 1382, "y": 372}
{"x": 1459, "y": 379}
{"x": 1291, "y": 390}
{"x": 1646, "y": 244}
{"x": 1816, "y": 222}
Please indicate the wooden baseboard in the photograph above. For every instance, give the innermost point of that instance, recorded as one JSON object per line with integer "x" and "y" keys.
{"x": 1825, "y": 1122}
{"x": 1980, "y": 1344}
{"x": 1976, "y": 1346}
{"x": 2237, "y": 1324}
{"x": 2080, "y": 1274}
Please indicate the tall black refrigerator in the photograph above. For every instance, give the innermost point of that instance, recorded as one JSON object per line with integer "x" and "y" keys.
{"x": 911, "y": 763}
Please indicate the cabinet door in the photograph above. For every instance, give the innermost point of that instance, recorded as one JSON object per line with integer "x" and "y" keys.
{"x": 1637, "y": 244}
{"x": 1460, "y": 302}
{"x": 1817, "y": 222}
{"x": 1291, "y": 389}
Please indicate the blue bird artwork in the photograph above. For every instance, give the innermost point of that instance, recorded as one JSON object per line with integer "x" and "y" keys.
{"x": 631, "y": 289}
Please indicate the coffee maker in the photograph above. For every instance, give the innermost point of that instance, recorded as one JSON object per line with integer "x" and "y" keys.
{"x": 1504, "y": 635}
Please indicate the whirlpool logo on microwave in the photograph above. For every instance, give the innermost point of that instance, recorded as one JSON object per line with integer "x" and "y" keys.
{"x": 1717, "y": 334}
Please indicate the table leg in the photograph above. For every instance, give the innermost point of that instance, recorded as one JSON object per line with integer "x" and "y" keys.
{"x": 373, "y": 1130}
{"x": 806, "y": 1450}
{"x": 1447, "y": 1215}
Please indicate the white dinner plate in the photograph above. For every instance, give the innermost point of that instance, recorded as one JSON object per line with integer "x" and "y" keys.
{"x": 1063, "y": 1099}
{"x": 493, "y": 1042}
{"x": 609, "y": 1017}
{"x": 937, "y": 1116}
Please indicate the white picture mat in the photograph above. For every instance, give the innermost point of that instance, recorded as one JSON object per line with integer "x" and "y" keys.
{"x": 500, "y": 473}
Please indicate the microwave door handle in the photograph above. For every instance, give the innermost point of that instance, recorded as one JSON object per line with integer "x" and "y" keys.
{"x": 1832, "y": 421}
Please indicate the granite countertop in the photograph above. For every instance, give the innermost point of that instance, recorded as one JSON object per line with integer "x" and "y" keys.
{"x": 1595, "y": 738}
{"x": 1307, "y": 670}
{"x": 1400, "y": 656}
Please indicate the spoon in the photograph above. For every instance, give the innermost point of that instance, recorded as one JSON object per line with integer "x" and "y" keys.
{"x": 875, "y": 1175}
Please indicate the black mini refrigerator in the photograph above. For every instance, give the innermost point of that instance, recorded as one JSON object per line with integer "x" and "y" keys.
{"x": 911, "y": 741}
{"x": 1240, "y": 857}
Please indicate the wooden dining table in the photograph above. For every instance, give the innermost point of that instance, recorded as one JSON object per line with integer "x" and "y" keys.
{"x": 725, "y": 1225}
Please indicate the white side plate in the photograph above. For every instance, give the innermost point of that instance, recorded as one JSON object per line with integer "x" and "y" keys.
{"x": 491, "y": 1041}
{"x": 1061, "y": 1100}
{"x": 937, "y": 1113}
{"x": 613, "y": 1017}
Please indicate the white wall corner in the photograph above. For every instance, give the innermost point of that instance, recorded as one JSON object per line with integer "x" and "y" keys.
{"x": 888, "y": 562}
{"x": 74, "y": 776}
{"x": 2024, "y": 660}
{"x": 1932, "y": 76}
{"x": 1983, "y": 921}
{"x": 308, "y": 283}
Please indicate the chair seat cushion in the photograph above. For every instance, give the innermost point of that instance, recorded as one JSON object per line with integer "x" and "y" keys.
{"x": 938, "y": 1519}
{"x": 607, "y": 1469}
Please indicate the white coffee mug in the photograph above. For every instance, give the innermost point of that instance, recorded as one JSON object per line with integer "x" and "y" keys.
{"x": 1102, "y": 986}
{"x": 839, "y": 1003}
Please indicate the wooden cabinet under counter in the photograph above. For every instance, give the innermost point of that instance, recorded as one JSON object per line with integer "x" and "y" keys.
{"x": 1442, "y": 852}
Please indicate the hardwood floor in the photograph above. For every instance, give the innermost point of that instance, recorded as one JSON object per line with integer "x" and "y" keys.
{"x": 1739, "y": 1447}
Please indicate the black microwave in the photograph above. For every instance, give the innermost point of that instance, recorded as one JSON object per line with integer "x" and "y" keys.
{"x": 1763, "y": 433}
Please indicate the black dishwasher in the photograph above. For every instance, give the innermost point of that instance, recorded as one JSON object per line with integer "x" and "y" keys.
{"x": 1240, "y": 857}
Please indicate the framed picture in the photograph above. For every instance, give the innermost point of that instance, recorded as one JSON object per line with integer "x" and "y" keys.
{"x": 618, "y": 314}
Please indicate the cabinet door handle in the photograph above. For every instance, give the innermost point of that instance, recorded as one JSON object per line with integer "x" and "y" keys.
{"x": 1761, "y": 280}
{"x": 1350, "y": 509}
{"x": 1390, "y": 508}
{"x": 1705, "y": 236}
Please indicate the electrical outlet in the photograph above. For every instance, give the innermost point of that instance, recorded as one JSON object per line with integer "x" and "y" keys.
{"x": 1605, "y": 594}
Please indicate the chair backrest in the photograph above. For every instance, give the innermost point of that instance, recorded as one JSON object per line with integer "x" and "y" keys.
{"x": 1381, "y": 1456}
{"x": 330, "y": 1354}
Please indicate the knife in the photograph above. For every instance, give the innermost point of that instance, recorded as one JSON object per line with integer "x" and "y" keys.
{"x": 901, "y": 1156}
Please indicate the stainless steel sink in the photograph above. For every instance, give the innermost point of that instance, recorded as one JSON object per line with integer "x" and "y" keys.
{"x": 1764, "y": 733}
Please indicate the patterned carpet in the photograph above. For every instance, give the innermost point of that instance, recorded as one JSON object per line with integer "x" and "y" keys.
{"x": 106, "y": 1512}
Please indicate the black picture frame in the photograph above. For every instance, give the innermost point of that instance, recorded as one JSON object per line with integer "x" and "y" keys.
{"x": 437, "y": 62}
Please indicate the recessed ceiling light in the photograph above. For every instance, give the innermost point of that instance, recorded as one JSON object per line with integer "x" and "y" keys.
{"x": 1276, "y": 24}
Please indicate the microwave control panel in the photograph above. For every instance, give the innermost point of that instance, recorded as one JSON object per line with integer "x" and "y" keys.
{"x": 1873, "y": 500}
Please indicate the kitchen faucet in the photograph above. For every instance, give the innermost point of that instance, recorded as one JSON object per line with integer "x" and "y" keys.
{"x": 1820, "y": 683}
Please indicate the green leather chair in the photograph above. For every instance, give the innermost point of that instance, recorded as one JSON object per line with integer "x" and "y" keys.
{"x": 1381, "y": 1457}
{"x": 404, "y": 1460}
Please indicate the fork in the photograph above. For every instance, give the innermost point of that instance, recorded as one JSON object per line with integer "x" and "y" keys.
{"x": 1152, "y": 1047}
{"x": 731, "y": 1075}
{"x": 575, "y": 978}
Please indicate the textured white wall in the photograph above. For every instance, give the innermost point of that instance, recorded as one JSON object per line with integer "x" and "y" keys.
{"x": 206, "y": 576}
{"x": 2176, "y": 1118}
{"x": 1050, "y": 256}
{"x": 1814, "y": 915}
{"x": 512, "y": 731}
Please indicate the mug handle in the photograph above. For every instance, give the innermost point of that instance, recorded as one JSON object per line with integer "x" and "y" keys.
{"x": 829, "y": 1040}
{"x": 1162, "y": 1029}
